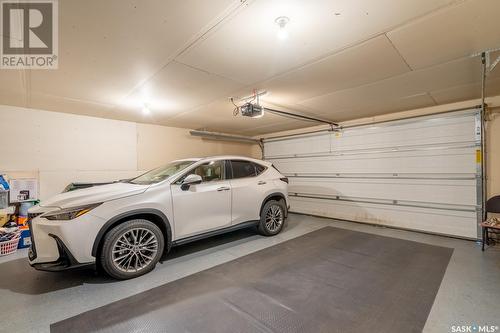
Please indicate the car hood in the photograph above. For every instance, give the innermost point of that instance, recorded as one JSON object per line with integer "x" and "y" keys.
{"x": 93, "y": 195}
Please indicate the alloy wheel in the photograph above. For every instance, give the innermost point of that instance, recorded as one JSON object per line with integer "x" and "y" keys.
{"x": 134, "y": 250}
{"x": 274, "y": 218}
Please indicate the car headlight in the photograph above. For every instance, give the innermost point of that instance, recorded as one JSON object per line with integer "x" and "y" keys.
{"x": 69, "y": 213}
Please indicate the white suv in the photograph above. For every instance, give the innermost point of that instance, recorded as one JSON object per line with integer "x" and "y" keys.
{"x": 126, "y": 227}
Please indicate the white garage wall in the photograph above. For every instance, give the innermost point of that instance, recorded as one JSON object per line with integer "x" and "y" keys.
{"x": 418, "y": 174}
{"x": 58, "y": 148}
{"x": 157, "y": 144}
{"x": 41, "y": 140}
{"x": 493, "y": 151}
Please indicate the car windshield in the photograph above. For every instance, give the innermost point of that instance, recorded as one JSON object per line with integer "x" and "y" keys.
{"x": 161, "y": 173}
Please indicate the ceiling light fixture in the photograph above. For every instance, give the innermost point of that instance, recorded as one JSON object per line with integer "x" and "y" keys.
{"x": 145, "y": 109}
{"x": 282, "y": 21}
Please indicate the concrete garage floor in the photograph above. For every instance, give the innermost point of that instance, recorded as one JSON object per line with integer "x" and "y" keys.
{"x": 33, "y": 300}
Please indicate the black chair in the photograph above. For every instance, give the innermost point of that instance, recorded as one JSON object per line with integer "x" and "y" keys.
{"x": 492, "y": 206}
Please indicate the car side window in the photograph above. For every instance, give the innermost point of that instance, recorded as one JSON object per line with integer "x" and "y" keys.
{"x": 209, "y": 172}
{"x": 228, "y": 173}
{"x": 259, "y": 168}
{"x": 242, "y": 169}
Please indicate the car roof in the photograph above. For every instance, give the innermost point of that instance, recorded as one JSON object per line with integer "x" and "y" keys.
{"x": 234, "y": 157}
{"x": 226, "y": 157}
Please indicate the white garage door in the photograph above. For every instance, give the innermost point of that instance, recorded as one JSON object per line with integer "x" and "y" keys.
{"x": 422, "y": 173}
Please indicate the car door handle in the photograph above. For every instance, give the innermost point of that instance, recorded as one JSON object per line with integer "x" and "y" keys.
{"x": 261, "y": 183}
{"x": 223, "y": 188}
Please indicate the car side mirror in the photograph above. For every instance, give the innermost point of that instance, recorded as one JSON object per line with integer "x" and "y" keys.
{"x": 190, "y": 180}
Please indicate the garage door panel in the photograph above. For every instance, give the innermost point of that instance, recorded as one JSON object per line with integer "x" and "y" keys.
{"x": 418, "y": 173}
{"x": 451, "y": 192}
{"x": 302, "y": 146}
{"x": 446, "y": 222}
{"x": 434, "y": 161}
{"x": 453, "y": 130}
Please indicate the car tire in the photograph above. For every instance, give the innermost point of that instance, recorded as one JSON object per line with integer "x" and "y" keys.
{"x": 131, "y": 249}
{"x": 272, "y": 218}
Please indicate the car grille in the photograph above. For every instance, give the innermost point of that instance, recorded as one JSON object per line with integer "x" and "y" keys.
{"x": 32, "y": 249}
{"x": 31, "y": 216}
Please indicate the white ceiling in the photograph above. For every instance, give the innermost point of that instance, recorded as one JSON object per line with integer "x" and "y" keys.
{"x": 344, "y": 59}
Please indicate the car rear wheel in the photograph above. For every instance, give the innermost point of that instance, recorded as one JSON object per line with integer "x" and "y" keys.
{"x": 132, "y": 249}
{"x": 272, "y": 218}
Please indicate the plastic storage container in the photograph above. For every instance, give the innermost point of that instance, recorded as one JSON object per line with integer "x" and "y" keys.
{"x": 25, "y": 239}
{"x": 24, "y": 206}
{"x": 4, "y": 199}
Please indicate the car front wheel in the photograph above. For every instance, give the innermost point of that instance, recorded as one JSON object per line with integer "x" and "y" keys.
{"x": 272, "y": 218}
{"x": 131, "y": 249}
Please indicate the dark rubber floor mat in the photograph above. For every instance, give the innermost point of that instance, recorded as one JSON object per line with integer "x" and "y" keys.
{"x": 330, "y": 280}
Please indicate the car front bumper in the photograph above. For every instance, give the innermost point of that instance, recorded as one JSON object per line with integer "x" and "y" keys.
{"x": 62, "y": 245}
{"x": 65, "y": 261}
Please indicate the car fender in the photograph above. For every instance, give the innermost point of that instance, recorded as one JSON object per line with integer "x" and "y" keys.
{"x": 275, "y": 194}
{"x": 112, "y": 222}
